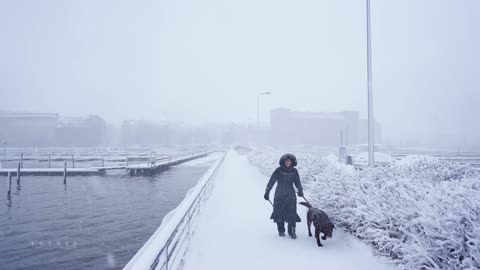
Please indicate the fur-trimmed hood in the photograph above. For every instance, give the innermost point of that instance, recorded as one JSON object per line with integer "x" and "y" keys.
{"x": 288, "y": 156}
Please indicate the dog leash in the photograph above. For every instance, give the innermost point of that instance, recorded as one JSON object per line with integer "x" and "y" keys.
{"x": 306, "y": 200}
{"x": 302, "y": 197}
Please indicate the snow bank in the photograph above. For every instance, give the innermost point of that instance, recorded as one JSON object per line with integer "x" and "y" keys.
{"x": 421, "y": 212}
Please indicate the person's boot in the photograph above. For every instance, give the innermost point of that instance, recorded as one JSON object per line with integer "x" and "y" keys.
{"x": 281, "y": 229}
{"x": 291, "y": 231}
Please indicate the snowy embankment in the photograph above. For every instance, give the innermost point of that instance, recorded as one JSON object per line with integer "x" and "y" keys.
{"x": 421, "y": 212}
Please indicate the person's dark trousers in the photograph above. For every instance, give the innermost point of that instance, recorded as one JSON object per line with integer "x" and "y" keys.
{"x": 291, "y": 227}
{"x": 281, "y": 227}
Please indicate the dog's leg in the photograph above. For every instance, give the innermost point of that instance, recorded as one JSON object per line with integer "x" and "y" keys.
{"x": 309, "y": 224}
{"x": 317, "y": 236}
{"x": 318, "y": 241}
{"x": 324, "y": 237}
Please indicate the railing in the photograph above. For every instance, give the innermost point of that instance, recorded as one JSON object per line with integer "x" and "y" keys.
{"x": 166, "y": 248}
{"x": 92, "y": 161}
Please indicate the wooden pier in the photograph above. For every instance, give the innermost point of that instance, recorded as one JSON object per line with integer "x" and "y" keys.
{"x": 152, "y": 167}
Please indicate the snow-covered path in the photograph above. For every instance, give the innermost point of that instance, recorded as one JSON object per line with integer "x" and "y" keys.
{"x": 234, "y": 231}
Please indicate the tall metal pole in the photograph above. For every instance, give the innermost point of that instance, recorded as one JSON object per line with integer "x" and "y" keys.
{"x": 4, "y": 153}
{"x": 371, "y": 158}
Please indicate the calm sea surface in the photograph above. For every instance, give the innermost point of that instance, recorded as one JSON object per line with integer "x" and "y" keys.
{"x": 95, "y": 222}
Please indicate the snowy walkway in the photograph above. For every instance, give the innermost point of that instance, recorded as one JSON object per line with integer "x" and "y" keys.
{"x": 234, "y": 231}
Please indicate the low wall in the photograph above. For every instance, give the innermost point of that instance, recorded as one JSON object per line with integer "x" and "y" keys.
{"x": 167, "y": 246}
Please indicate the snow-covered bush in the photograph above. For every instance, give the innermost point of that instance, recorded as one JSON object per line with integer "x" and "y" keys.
{"x": 380, "y": 157}
{"x": 421, "y": 212}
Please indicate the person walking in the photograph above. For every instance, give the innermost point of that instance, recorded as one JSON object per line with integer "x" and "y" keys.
{"x": 285, "y": 201}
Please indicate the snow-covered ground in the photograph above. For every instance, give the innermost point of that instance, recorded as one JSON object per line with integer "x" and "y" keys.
{"x": 234, "y": 231}
{"x": 423, "y": 213}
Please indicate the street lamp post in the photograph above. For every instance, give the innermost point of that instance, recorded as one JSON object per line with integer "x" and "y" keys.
{"x": 5, "y": 153}
{"x": 371, "y": 158}
{"x": 258, "y": 106}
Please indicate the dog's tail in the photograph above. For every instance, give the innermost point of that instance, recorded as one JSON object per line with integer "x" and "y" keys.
{"x": 305, "y": 204}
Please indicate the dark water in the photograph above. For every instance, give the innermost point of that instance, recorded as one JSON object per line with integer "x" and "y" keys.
{"x": 96, "y": 222}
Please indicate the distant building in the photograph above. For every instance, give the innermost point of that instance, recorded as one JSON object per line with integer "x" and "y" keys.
{"x": 28, "y": 129}
{"x": 145, "y": 133}
{"x": 80, "y": 131}
{"x": 316, "y": 128}
{"x": 48, "y": 129}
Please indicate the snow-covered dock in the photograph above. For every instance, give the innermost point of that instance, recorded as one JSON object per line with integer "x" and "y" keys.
{"x": 232, "y": 230}
{"x": 150, "y": 168}
{"x": 159, "y": 165}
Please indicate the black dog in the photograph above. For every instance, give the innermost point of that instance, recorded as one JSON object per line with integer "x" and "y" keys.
{"x": 321, "y": 222}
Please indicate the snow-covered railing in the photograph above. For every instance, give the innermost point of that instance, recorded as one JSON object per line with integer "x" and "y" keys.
{"x": 167, "y": 246}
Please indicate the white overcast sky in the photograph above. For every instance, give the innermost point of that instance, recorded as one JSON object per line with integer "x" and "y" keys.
{"x": 204, "y": 61}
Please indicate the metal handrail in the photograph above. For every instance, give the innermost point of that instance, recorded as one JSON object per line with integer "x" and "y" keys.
{"x": 172, "y": 249}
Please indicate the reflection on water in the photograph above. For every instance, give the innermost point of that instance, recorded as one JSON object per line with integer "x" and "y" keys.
{"x": 95, "y": 222}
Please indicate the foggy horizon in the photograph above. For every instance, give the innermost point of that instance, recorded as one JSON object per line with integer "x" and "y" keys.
{"x": 205, "y": 62}
{"x": 205, "y": 135}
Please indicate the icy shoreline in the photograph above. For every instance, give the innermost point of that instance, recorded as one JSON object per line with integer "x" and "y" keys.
{"x": 422, "y": 213}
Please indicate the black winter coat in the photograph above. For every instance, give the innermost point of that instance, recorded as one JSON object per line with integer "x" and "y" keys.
{"x": 285, "y": 202}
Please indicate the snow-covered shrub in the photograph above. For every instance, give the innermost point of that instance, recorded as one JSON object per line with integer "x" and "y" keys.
{"x": 421, "y": 212}
{"x": 380, "y": 157}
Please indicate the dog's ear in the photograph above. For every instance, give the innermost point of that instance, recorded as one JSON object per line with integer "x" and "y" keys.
{"x": 334, "y": 226}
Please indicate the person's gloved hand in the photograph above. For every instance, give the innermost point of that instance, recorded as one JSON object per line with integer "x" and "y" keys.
{"x": 266, "y": 196}
{"x": 300, "y": 193}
